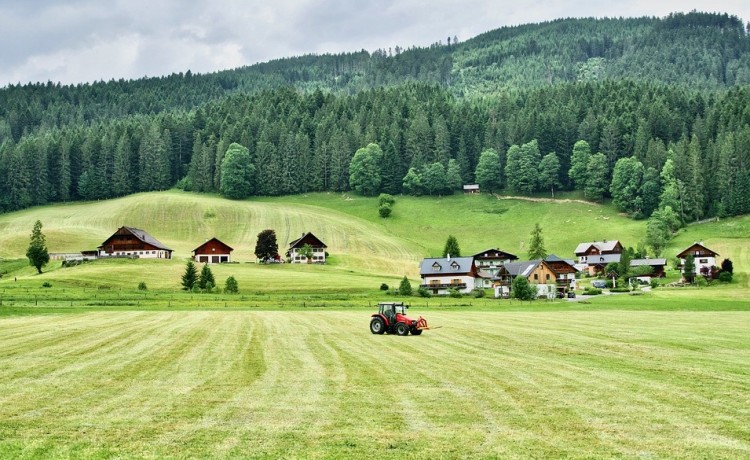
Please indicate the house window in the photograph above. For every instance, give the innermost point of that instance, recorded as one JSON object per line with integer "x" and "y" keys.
{"x": 703, "y": 261}
{"x": 536, "y": 277}
{"x": 434, "y": 282}
{"x": 455, "y": 281}
{"x": 547, "y": 276}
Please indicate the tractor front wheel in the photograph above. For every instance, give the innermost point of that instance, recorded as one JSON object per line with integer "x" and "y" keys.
{"x": 377, "y": 326}
{"x": 402, "y": 329}
{"x": 416, "y": 331}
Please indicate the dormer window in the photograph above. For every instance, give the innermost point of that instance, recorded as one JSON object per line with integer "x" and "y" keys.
{"x": 436, "y": 267}
{"x": 454, "y": 266}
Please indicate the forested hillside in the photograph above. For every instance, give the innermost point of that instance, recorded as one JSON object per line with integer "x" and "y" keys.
{"x": 651, "y": 112}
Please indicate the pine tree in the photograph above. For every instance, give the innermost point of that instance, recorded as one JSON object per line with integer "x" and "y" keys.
{"x": 451, "y": 247}
{"x": 206, "y": 280}
{"x": 536, "y": 244}
{"x": 404, "y": 288}
{"x": 37, "y": 251}
{"x": 190, "y": 276}
{"x": 231, "y": 286}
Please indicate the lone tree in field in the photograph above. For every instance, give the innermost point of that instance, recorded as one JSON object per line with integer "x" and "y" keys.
{"x": 536, "y": 244}
{"x": 266, "y": 247}
{"x": 190, "y": 276}
{"x": 231, "y": 287}
{"x": 206, "y": 280}
{"x": 405, "y": 287}
{"x": 37, "y": 252}
{"x": 451, "y": 247}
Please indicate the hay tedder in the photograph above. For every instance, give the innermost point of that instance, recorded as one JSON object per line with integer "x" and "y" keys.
{"x": 391, "y": 318}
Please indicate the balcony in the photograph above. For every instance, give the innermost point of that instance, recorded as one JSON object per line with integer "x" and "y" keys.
{"x": 443, "y": 286}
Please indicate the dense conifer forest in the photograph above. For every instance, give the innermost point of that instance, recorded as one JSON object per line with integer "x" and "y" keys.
{"x": 653, "y": 113}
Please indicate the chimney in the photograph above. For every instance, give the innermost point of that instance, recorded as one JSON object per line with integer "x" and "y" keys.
{"x": 448, "y": 257}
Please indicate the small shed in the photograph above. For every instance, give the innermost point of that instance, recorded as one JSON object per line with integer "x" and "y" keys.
{"x": 213, "y": 251}
{"x": 471, "y": 189}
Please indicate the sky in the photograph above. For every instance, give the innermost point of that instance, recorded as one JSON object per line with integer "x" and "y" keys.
{"x": 78, "y": 41}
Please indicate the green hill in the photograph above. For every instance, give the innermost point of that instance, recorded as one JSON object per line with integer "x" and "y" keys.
{"x": 365, "y": 249}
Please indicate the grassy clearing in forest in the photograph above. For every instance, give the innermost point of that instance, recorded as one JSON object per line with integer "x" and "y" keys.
{"x": 317, "y": 384}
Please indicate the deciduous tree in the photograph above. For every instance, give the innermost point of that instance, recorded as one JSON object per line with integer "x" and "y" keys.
{"x": 266, "y": 246}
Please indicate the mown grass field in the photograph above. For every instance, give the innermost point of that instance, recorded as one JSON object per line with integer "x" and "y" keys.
{"x": 91, "y": 367}
{"x": 317, "y": 384}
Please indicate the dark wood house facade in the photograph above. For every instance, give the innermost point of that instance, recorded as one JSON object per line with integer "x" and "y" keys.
{"x": 133, "y": 242}
{"x": 213, "y": 251}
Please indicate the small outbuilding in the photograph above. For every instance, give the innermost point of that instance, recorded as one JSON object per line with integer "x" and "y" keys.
{"x": 213, "y": 251}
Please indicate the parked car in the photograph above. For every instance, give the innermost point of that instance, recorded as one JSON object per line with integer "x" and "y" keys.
{"x": 600, "y": 284}
{"x": 571, "y": 295}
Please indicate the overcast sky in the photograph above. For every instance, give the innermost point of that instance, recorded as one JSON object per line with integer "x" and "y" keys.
{"x": 72, "y": 41}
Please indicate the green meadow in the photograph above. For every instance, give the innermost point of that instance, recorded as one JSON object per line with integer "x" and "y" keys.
{"x": 92, "y": 367}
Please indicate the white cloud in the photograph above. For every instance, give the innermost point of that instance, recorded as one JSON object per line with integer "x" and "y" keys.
{"x": 86, "y": 40}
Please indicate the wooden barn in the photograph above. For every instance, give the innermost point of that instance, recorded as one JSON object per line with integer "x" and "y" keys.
{"x": 133, "y": 242}
{"x": 213, "y": 251}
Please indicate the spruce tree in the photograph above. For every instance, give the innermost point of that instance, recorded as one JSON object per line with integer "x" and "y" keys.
{"x": 404, "y": 288}
{"x": 190, "y": 276}
{"x": 536, "y": 244}
{"x": 37, "y": 251}
{"x": 206, "y": 279}
{"x": 451, "y": 247}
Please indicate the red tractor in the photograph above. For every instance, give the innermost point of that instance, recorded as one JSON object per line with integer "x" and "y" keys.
{"x": 391, "y": 318}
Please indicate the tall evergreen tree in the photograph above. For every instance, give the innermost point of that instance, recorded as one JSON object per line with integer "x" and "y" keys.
{"x": 451, "y": 247}
{"x": 37, "y": 251}
{"x": 190, "y": 276}
{"x": 536, "y": 244}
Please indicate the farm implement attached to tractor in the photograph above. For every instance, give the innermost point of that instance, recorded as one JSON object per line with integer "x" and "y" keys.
{"x": 391, "y": 318}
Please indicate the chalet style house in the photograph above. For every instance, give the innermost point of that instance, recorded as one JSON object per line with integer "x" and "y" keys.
{"x": 440, "y": 275}
{"x": 593, "y": 257}
{"x": 657, "y": 267}
{"x": 133, "y": 242}
{"x": 488, "y": 262}
{"x": 550, "y": 276}
{"x": 318, "y": 250}
{"x": 213, "y": 251}
{"x": 704, "y": 259}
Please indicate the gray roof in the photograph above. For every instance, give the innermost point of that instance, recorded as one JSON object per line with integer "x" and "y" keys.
{"x": 521, "y": 268}
{"x": 601, "y": 245}
{"x": 647, "y": 262}
{"x": 146, "y": 238}
{"x": 445, "y": 266}
{"x": 603, "y": 259}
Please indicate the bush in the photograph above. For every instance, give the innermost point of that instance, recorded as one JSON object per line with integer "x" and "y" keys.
{"x": 455, "y": 293}
{"x": 384, "y": 211}
{"x": 383, "y": 287}
{"x": 478, "y": 293}
{"x": 654, "y": 283}
{"x": 231, "y": 286}
{"x": 424, "y": 292}
{"x": 592, "y": 291}
{"x": 725, "y": 277}
{"x": 142, "y": 286}
{"x": 46, "y": 284}
{"x": 386, "y": 199}
{"x": 620, "y": 289}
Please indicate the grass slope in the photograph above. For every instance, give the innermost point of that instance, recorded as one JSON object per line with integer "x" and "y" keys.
{"x": 312, "y": 385}
{"x": 365, "y": 249}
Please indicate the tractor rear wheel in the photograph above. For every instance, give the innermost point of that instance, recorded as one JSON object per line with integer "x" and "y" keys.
{"x": 416, "y": 331}
{"x": 402, "y": 329}
{"x": 377, "y": 326}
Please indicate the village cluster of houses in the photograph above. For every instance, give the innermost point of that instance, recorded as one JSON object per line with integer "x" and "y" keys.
{"x": 552, "y": 276}
{"x": 492, "y": 268}
{"x": 136, "y": 243}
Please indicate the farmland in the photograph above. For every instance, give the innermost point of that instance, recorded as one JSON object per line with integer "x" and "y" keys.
{"x": 316, "y": 384}
{"x": 92, "y": 367}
